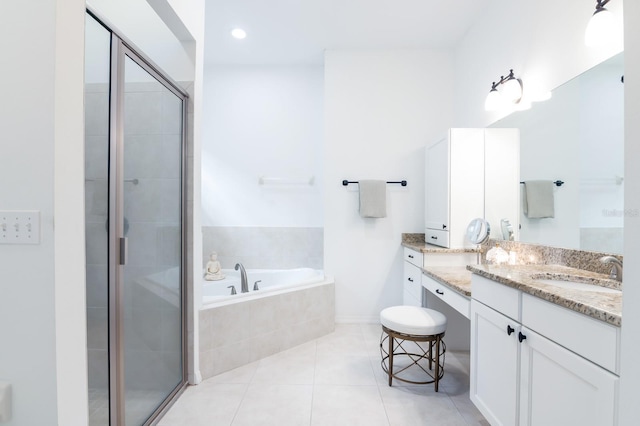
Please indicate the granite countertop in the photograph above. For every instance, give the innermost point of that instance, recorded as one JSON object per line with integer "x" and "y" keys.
{"x": 458, "y": 278}
{"x": 429, "y": 248}
{"x": 606, "y": 307}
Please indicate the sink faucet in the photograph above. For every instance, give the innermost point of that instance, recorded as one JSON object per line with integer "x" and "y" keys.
{"x": 616, "y": 270}
{"x": 244, "y": 287}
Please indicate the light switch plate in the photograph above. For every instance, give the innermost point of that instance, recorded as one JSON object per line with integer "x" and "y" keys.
{"x": 5, "y": 401}
{"x": 19, "y": 227}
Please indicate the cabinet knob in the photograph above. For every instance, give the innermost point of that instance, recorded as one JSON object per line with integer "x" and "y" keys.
{"x": 444, "y": 226}
{"x": 410, "y": 279}
{"x": 433, "y": 237}
{"x": 521, "y": 337}
{"x": 439, "y": 291}
{"x": 510, "y": 330}
{"x": 410, "y": 256}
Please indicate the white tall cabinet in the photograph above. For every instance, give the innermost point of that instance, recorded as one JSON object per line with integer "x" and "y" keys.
{"x": 468, "y": 174}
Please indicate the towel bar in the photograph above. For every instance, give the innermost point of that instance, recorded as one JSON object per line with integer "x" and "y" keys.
{"x": 347, "y": 182}
{"x": 557, "y": 183}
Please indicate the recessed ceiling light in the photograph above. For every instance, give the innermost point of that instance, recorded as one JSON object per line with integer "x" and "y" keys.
{"x": 238, "y": 33}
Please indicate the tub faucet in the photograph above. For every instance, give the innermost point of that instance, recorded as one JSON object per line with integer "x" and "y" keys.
{"x": 244, "y": 287}
{"x": 616, "y": 270}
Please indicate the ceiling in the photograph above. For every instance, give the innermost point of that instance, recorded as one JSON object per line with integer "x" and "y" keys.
{"x": 298, "y": 31}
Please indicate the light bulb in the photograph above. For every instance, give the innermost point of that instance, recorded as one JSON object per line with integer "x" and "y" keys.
{"x": 238, "y": 33}
{"x": 512, "y": 90}
{"x": 601, "y": 29}
{"x": 494, "y": 101}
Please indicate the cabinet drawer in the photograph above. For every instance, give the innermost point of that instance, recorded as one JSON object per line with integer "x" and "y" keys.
{"x": 590, "y": 338}
{"x": 437, "y": 237}
{"x": 413, "y": 256}
{"x": 457, "y": 301}
{"x": 412, "y": 277}
{"x": 497, "y": 296}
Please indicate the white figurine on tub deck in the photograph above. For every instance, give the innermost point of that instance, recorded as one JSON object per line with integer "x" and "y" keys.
{"x": 213, "y": 271}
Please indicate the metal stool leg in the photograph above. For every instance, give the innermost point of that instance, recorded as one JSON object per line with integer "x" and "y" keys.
{"x": 437, "y": 372}
{"x": 390, "y": 359}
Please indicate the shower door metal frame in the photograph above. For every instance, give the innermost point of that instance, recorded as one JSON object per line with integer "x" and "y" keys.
{"x": 121, "y": 48}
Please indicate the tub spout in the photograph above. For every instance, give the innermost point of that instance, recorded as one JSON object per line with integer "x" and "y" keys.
{"x": 244, "y": 286}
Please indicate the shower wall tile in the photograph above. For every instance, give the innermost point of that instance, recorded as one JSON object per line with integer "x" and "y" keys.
{"x": 96, "y": 156}
{"x": 96, "y": 117}
{"x": 264, "y": 247}
{"x": 97, "y": 286}
{"x": 143, "y": 243}
{"x": 143, "y": 156}
{"x": 171, "y": 113}
{"x": 170, "y": 152}
{"x": 143, "y": 113}
{"x": 96, "y": 244}
{"x": 97, "y": 328}
{"x": 98, "y": 368}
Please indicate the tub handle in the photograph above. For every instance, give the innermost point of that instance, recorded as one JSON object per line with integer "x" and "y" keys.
{"x": 233, "y": 289}
{"x": 255, "y": 285}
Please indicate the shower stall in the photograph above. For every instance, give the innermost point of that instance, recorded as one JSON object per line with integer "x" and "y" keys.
{"x": 135, "y": 137}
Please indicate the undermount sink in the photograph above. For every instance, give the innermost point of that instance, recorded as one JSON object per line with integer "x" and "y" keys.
{"x": 571, "y": 282}
{"x": 574, "y": 285}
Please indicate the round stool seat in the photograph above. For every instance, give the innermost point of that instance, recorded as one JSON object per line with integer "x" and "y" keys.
{"x": 413, "y": 320}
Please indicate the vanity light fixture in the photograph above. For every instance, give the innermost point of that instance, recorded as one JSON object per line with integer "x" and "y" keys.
{"x": 601, "y": 27}
{"x": 510, "y": 92}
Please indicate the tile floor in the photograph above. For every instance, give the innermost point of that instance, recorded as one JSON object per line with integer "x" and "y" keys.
{"x": 334, "y": 380}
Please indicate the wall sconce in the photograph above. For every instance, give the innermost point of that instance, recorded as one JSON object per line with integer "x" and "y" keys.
{"x": 510, "y": 92}
{"x": 601, "y": 27}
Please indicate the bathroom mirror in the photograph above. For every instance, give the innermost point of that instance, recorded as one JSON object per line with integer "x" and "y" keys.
{"x": 577, "y": 137}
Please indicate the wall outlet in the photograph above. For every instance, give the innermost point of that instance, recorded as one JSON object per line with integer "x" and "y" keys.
{"x": 19, "y": 227}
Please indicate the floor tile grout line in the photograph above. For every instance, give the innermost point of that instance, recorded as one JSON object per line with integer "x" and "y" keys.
{"x": 246, "y": 391}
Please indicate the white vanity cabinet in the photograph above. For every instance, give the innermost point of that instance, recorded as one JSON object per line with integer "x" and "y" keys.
{"x": 464, "y": 172}
{"x": 521, "y": 375}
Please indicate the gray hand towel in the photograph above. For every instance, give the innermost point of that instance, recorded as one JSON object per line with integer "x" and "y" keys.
{"x": 538, "y": 199}
{"x": 373, "y": 198}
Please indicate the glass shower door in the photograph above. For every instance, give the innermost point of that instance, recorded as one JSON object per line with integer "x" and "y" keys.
{"x": 151, "y": 277}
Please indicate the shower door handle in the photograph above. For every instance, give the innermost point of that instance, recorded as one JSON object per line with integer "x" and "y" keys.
{"x": 124, "y": 245}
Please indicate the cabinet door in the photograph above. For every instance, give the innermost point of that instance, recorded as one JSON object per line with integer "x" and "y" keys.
{"x": 558, "y": 387}
{"x": 494, "y": 364}
{"x": 437, "y": 186}
{"x": 412, "y": 289}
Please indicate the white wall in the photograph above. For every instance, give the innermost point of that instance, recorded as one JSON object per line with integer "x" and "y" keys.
{"x": 262, "y": 121}
{"x": 542, "y": 41}
{"x": 381, "y": 108}
{"x": 42, "y": 292}
{"x": 630, "y": 368}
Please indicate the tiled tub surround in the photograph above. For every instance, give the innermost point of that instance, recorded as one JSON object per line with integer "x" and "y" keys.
{"x": 233, "y": 334}
{"x": 264, "y": 247}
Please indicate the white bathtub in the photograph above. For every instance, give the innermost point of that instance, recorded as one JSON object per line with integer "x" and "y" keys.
{"x": 291, "y": 307}
{"x": 271, "y": 280}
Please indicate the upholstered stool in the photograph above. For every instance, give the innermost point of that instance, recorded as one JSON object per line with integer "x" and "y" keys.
{"x": 402, "y": 324}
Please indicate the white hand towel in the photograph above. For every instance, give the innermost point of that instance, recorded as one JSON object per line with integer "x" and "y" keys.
{"x": 538, "y": 199}
{"x": 373, "y": 198}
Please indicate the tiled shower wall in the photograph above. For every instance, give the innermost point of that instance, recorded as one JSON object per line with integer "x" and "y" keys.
{"x": 264, "y": 247}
